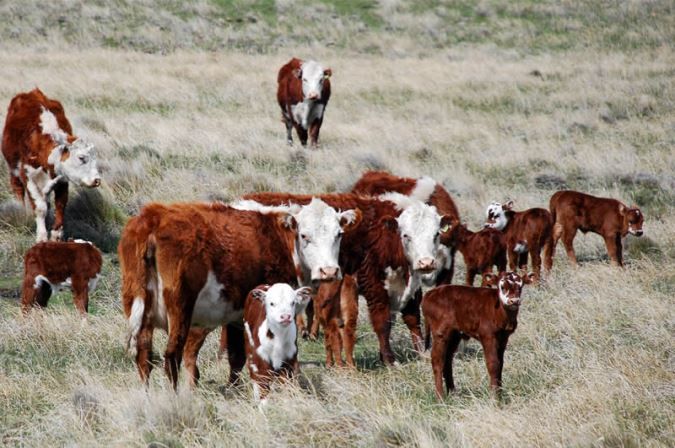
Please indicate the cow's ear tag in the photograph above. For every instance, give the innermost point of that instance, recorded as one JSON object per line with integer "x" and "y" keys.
{"x": 445, "y": 228}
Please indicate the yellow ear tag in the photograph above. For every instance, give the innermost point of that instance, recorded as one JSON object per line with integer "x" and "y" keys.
{"x": 445, "y": 228}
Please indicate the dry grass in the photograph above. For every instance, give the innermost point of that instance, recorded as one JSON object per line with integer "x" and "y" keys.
{"x": 592, "y": 362}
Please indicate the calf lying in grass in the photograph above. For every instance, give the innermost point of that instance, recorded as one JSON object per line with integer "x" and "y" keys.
{"x": 271, "y": 333}
{"x": 489, "y": 315}
{"x": 51, "y": 266}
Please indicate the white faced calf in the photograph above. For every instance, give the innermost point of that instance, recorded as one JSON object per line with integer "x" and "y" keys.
{"x": 271, "y": 333}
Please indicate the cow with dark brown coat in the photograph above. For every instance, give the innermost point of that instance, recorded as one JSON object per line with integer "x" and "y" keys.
{"x": 303, "y": 92}
{"x": 527, "y": 231}
{"x": 489, "y": 315}
{"x": 51, "y": 266}
{"x": 43, "y": 155}
{"x": 187, "y": 268}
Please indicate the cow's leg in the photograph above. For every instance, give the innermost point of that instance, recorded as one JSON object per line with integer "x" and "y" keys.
{"x": 193, "y": 344}
{"x": 455, "y": 338}
{"x": 289, "y": 128}
{"x": 491, "y": 352}
{"x": 535, "y": 254}
{"x": 568, "y": 240}
{"x": 326, "y": 305}
{"x": 556, "y": 233}
{"x": 80, "y": 287}
{"x": 501, "y": 348}
{"x": 235, "y": 351}
{"x": 470, "y": 276}
{"x": 223, "y": 342}
{"x": 301, "y": 326}
{"x": 381, "y": 321}
{"x": 438, "y": 355}
{"x": 60, "y": 201}
{"x": 614, "y": 249}
{"x": 30, "y": 292}
{"x": 349, "y": 311}
{"x": 302, "y": 134}
{"x": 513, "y": 259}
{"x": 39, "y": 201}
{"x": 17, "y": 185}
{"x": 144, "y": 351}
{"x": 314, "y": 129}
{"x": 179, "y": 316}
{"x": 411, "y": 317}
{"x": 522, "y": 261}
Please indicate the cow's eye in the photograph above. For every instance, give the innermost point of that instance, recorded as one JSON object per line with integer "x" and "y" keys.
{"x": 83, "y": 159}
{"x": 305, "y": 238}
{"x": 271, "y": 303}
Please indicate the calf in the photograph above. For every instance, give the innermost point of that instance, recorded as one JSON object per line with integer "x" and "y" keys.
{"x": 489, "y": 315}
{"x": 481, "y": 250}
{"x": 43, "y": 155}
{"x": 425, "y": 189}
{"x": 269, "y": 323}
{"x": 303, "y": 92}
{"x": 527, "y": 231}
{"x": 607, "y": 217}
{"x": 51, "y": 266}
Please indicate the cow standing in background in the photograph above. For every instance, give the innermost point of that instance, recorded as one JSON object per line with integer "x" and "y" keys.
{"x": 43, "y": 155}
{"x": 303, "y": 92}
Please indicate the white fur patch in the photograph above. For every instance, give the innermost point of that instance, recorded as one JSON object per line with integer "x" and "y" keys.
{"x": 50, "y": 126}
{"x": 211, "y": 308}
{"x": 278, "y": 349}
{"x": 135, "y": 322}
{"x": 159, "y": 317}
{"x": 253, "y": 206}
{"x": 37, "y": 180}
{"x": 496, "y": 213}
{"x": 93, "y": 282}
{"x": 424, "y": 188}
{"x": 521, "y": 247}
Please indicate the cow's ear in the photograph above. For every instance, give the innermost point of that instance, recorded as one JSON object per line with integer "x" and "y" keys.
{"x": 297, "y": 72}
{"x": 508, "y": 205}
{"x": 327, "y": 73}
{"x": 528, "y": 278}
{"x": 622, "y": 209}
{"x": 303, "y": 295}
{"x": 287, "y": 220}
{"x": 350, "y": 219}
{"x": 447, "y": 223}
{"x": 389, "y": 222}
{"x": 259, "y": 294}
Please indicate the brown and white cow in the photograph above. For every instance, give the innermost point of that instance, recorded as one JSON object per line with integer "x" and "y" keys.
{"x": 393, "y": 251}
{"x": 187, "y": 268}
{"x": 303, "y": 92}
{"x": 43, "y": 155}
{"x": 455, "y": 312}
{"x": 527, "y": 231}
{"x": 52, "y": 266}
{"x": 609, "y": 218}
{"x": 271, "y": 334}
{"x": 425, "y": 189}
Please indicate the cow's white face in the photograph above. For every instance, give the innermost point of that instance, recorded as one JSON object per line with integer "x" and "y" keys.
{"x": 320, "y": 230}
{"x": 282, "y": 303}
{"x": 312, "y": 75}
{"x": 76, "y": 162}
{"x": 495, "y": 216}
{"x": 510, "y": 286}
{"x": 420, "y": 228}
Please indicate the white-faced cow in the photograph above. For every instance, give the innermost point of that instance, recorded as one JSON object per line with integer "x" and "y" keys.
{"x": 43, "y": 155}
{"x": 303, "y": 92}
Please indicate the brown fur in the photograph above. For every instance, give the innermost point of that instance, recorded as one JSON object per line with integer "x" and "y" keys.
{"x": 481, "y": 250}
{"x": 58, "y": 261}
{"x": 609, "y": 218}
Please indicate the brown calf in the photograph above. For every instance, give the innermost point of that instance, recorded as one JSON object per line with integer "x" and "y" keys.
{"x": 528, "y": 231}
{"x": 489, "y": 315}
{"x": 481, "y": 250}
{"x": 51, "y": 266}
{"x": 607, "y": 217}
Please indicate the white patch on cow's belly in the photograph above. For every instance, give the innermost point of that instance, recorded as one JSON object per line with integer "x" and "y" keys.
{"x": 211, "y": 308}
{"x": 56, "y": 287}
{"x": 306, "y": 112}
{"x": 395, "y": 284}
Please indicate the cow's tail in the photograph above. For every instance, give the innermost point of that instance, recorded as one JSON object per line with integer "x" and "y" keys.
{"x": 137, "y": 265}
{"x": 549, "y": 242}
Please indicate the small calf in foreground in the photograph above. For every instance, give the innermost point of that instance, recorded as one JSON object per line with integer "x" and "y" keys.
{"x": 51, "y": 266}
{"x": 271, "y": 333}
{"x": 489, "y": 315}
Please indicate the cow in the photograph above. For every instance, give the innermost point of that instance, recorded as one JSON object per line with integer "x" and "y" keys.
{"x": 609, "y": 218}
{"x": 481, "y": 250}
{"x": 303, "y": 92}
{"x": 454, "y": 312}
{"x": 43, "y": 155}
{"x": 527, "y": 231}
{"x": 425, "y": 189}
{"x": 271, "y": 334}
{"x": 187, "y": 269}
{"x": 51, "y": 266}
{"x": 394, "y": 251}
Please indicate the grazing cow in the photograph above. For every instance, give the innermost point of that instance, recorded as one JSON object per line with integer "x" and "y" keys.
{"x": 51, "y": 266}
{"x": 527, "y": 231}
{"x": 187, "y": 268}
{"x": 481, "y": 250}
{"x": 303, "y": 92}
{"x": 271, "y": 334}
{"x": 43, "y": 155}
{"x": 425, "y": 189}
{"x": 489, "y": 315}
{"x": 394, "y": 251}
{"x": 607, "y": 217}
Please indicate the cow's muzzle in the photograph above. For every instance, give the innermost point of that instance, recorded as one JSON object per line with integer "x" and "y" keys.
{"x": 329, "y": 273}
{"x": 426, "y": 264}
{"x": 313, "y": 96}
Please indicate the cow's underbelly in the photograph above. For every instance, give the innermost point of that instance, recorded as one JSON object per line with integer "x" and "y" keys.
{"x": 211, "y": 308}
{"x": 306, "y": 112}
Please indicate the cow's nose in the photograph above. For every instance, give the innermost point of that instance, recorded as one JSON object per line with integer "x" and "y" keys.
{"x": 97, "y": 182}
{"x": 426, "y": 264}
{"x": 329, "y": 273}
{"x": 639, "y": 233}
{"x": 285, "y": 319}
{"x": 313, "y": 95}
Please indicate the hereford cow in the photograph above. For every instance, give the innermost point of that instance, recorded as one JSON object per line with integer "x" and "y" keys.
{"x": 489, "y": 315}
{"x": 187, "y": 268}
{"x": 43, "y": 155}
{"x": 303, "y": 92}
{"x": 392, "y": 253}
{"x": 525, "y": 232}
{"x": 51, "y": 266}
{"x": 425, "y": 189}
{"x": 271, "y": 335}
{"x": 607, "y": 217}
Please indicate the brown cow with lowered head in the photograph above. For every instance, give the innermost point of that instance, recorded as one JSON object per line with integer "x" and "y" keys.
{"x": 43, "y": 155}
{"x": 609, "y": 218}
{"x": 303, "y": 92}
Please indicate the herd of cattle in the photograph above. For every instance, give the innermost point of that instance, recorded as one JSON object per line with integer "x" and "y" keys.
{"x": 190, "y": 268}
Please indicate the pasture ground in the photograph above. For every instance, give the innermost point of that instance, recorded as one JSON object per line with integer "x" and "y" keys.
{"x": 496, "y": 102}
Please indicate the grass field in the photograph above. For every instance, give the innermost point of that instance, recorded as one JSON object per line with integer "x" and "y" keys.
{"x": 496, "y": 100}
